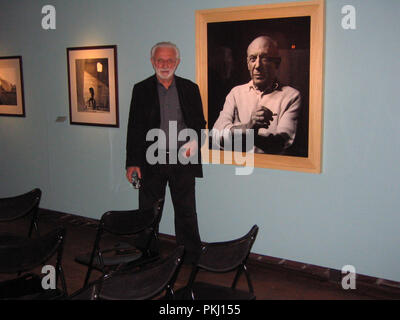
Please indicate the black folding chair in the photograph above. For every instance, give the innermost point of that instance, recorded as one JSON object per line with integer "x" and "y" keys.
{"x": 143, "y": 284}
{"x": 18, "y": 207}
{"x": 222, "y": 257}
{"x": 143, "y": 222}
{"x": 26, "y": 255}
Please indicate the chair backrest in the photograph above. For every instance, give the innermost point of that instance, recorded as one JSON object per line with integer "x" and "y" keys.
{"x": 228, "y": 255}
{"x": 13, "y": 208}
{"x": 30, "y": 253}
{"x": 131, "y": 221}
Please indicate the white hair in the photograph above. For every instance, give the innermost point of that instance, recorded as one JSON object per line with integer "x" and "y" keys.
{"x": 165, "y": 44}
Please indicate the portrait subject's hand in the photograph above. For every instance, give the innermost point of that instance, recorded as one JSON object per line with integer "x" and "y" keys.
{"x": 130, "y": 171}
{"x": 260, "y": 118}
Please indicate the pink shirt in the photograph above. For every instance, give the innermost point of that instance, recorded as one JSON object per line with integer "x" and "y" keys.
{"x": 244, "y": 99}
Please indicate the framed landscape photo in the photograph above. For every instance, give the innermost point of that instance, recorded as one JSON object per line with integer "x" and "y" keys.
{"x": 11, "y": 87}
{"x": 270, "y": 57}
{"x": 93, "y": 86}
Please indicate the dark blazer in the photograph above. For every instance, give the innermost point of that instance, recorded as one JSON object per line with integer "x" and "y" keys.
{"x": 144, "y": 115}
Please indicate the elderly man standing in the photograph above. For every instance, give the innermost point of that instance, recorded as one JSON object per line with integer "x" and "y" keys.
{"x": 263, "y": 104}
{"x": 157, "y": 102}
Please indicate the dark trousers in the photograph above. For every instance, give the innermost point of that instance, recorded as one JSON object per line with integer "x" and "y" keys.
{"x": 182, "y": 187}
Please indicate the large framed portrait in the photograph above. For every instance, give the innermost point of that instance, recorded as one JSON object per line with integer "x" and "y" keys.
{"x": 11, "y": 87}
{"x": 260, "y": 73}
{"x": 93, "y": 86}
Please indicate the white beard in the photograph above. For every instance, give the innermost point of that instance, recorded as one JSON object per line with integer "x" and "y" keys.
{"x": 163, "y": 77}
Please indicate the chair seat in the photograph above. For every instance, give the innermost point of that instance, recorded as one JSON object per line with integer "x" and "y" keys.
{"x": 50, "y": 294}
{"x": 208, "y": 291}
{"x": 139, "y": 284}
{"x": 144, "y": 283}
{"x": 120, "y": 287}
{"x": 119, "y": 257}
{"x": 27, "y": 287}
{"x": 9, "y": 238}
{"x": 86, "y": 293}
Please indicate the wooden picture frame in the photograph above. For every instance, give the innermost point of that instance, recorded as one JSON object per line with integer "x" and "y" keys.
{"x": 93, "y": 86}
{"x": 12, "y": 101}
{"x": 299, "y": 30}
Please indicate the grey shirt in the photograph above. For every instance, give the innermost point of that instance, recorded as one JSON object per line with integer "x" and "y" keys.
{"x": 170, "y": 110}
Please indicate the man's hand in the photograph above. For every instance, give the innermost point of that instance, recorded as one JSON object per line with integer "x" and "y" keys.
{"x": 190, "y": 149}
{"x": 260, "y": 118}
{"x": 130, "y": 171}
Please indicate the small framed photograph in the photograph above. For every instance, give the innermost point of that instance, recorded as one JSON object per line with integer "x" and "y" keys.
{"x": 11, "y": 87}
{"x": 93, "y": 86}
{"x": 261, "y": 68}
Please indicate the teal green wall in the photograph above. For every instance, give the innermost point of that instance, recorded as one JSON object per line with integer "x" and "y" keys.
{"x": 346, "y": 215}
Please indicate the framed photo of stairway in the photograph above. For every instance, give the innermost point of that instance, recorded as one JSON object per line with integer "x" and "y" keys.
{"x": 93, "y": 85}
